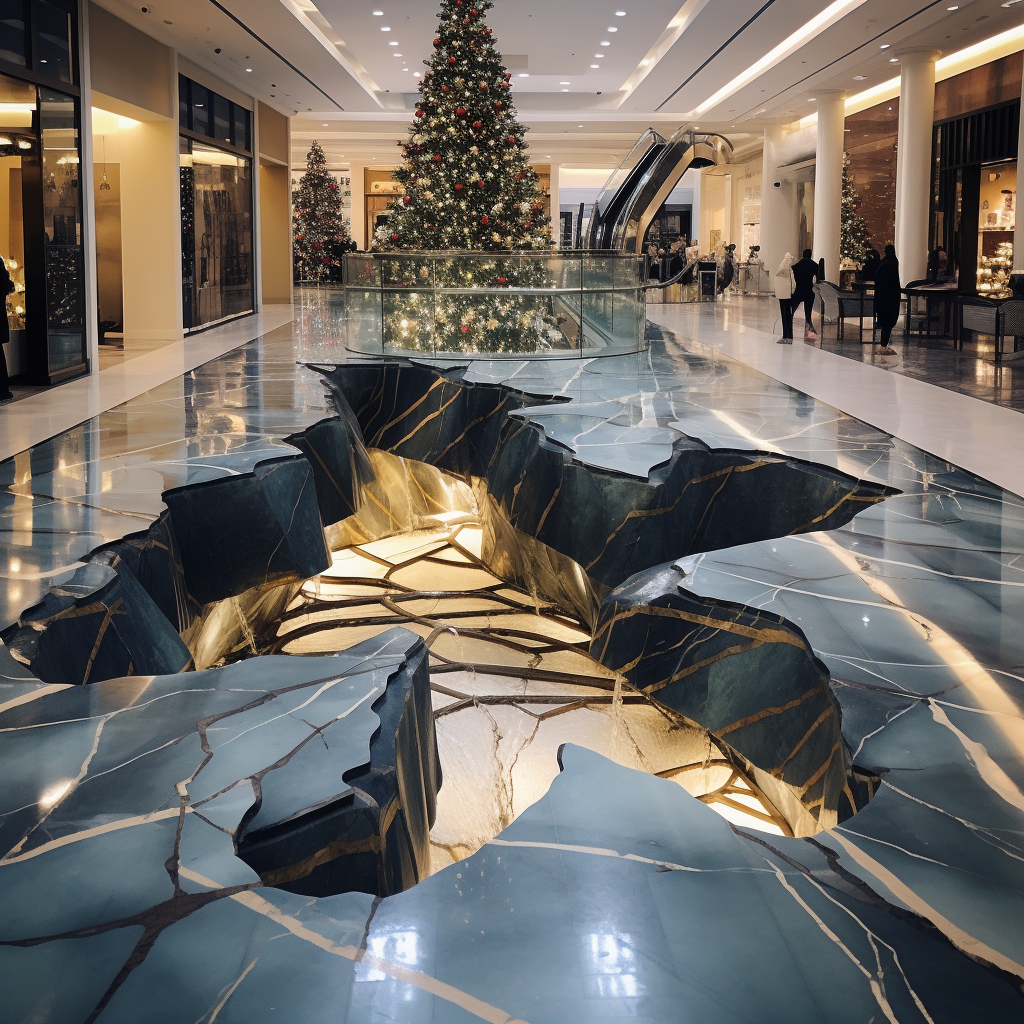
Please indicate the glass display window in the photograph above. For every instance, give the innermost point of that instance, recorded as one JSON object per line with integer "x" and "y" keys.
{"x": 997, "y": 214}
{"x": 216, "y": 234}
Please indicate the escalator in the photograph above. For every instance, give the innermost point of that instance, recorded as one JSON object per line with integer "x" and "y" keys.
{"x": 620, "y": 186}
{"x": 647, "y": 185}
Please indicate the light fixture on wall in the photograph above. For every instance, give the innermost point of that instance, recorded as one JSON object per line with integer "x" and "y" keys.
{"x": 104, "y": 184}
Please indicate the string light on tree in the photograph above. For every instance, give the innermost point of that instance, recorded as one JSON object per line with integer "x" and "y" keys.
{"x": 319, "y": 236}
{"x": 854, "y": 239}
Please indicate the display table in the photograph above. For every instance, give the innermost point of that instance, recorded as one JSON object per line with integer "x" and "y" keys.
{"x": 939, "y": 301}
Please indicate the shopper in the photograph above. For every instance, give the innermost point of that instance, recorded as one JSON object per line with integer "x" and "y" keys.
{"x": 784, "y": 286}
{"x": 867, "y": 272}
{"x": 887, "y": 296}
{"x": 6, "y": 287}
{"x": 805, "y": 273}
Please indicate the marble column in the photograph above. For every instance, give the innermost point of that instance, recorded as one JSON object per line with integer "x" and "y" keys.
{"x": 914, "y": 160}
{"x": 778, "y": 214}
{"x": 828, "y": 180}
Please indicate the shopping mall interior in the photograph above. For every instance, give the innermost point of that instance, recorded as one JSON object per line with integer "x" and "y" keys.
{"x": 382, "y": 634}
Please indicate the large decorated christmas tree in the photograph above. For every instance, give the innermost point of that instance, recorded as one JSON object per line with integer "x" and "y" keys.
{"x": 319, "y": 236}
{"x": 467, "y": 181}
{"x": 854, "y": 239}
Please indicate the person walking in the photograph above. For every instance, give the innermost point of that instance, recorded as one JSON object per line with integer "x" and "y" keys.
{"x": 784, "y": 286}
{"x": 805, "y": 273}
{"x": 6, "y": 287}
{"x": 887, "y": 296}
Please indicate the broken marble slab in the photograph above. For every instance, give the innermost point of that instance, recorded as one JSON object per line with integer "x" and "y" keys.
{"x": 248, "y": 531}
{"x": 124, "y": 779}
{"x": 99, "y": 624}
{"x": 911, "y": 625}
{"x": 600, "y": 434}
{"x": 615, "y": 893}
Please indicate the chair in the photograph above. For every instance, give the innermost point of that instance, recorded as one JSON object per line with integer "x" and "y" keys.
{"x": 999, "y": 320}
{"x": 837, "y": 306}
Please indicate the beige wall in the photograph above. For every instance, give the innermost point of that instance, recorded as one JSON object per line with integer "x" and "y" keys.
{"x": 274, "y": 141}
{"x": 275, "y": 232}
{"x": 129, "y": 65}
{"x": 150, "y": 231}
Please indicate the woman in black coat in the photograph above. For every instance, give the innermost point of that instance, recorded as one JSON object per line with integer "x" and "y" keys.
{"x": 887, "y": 294}
{"x": 6, "y": 287}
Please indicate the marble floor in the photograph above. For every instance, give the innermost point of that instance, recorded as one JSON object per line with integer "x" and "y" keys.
{"x": 616, "y": 894}
{"x": 971, "y": 371}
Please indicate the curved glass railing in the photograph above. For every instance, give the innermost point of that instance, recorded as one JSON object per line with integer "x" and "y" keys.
{"x": 487, "y": 306}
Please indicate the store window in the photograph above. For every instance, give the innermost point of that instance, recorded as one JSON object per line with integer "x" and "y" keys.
{"x": 41, "y": 230}
{"x": 53, "y": 39}
{"x": 216, "y": 234}
{"x": 13, "y": 36}
{"x": 996, "y": 218}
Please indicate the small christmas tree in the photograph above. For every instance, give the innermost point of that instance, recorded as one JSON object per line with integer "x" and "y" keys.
{"x": 319, "y": 236}
{"x": 467, "y": 182}
{"x": 854, "y": 239}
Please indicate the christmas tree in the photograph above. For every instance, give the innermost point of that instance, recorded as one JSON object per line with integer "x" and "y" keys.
{"x": 467, "y": 182}
{"x": 319, "y": 236}
{"x": 854, "y": 239}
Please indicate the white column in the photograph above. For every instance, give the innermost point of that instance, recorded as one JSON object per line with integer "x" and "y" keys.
{"x": 358, "y": 203}
{"x": 1018, "y": 230}
{"x": 778, "y": 215}
{"x": 914, "y": 160}
{"x": 727, "y": 227}
{"x": 828, "y": 180}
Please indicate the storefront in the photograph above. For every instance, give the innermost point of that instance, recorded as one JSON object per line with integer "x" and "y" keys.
{"x": 215, "y": 147}
{"x": 41, "y": 221}
{"x": 974, "y": 186}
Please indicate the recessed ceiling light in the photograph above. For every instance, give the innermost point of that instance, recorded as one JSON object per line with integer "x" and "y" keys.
{"x": 565, "y": 90}
{"x": 547, "y": 156}
{"x": 860, "y": 78}
{"x": 393, "y": 43}
{"x": 405, "y": 69}
{"x": 524, "y": 74}
{"x": 595, "y": 65}
{"x": 812, "y": 99}
{"x": 325, "y": 124}
{"x": 415, "y": 74}
{"x": 579, "y": 126}
{"x": 954, "y": 8}
{"x": 385, "y": 28}
{"x": 884, "y": 46}
{"x": 894, "y": 60}
{"x": 249, "y": 70}
{"x": 605, "y": 42}
{"x": 598, "y": 54}
{"x": 611, "y": 28}
{"x": 396, "y": 55}
{"x": 377, "y": 14}
{"x": 563, "y": 83}
{"x": 620, "y": 14}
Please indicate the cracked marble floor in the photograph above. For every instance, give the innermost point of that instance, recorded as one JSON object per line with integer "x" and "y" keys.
{"x": 616, "y": 893}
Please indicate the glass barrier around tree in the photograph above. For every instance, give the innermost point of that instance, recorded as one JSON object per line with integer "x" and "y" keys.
{"x": 493, "y": 305}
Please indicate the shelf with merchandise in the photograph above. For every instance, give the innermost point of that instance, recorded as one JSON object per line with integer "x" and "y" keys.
{"x": 994, "y": 272}
{"x": 16, "y": 300}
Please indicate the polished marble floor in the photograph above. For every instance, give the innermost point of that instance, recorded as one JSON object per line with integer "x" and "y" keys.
{"x": 971, "y": 371}
{"x": 616, "y": 894}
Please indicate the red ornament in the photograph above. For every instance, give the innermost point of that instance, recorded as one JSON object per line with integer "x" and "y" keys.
{"x": 478, "y": 125}
{"x": 458, "y": 188}
{"x": 460, "y": 111}
{"x": 451, "y": 60}
{"x": 519, "y": 177}
{"x": 485, "y": 219}
{"x": 437, "y": 158}
{"x": 483, "y": 87}
{"x": 511, "y": 140}
{"x": 446, "y": 88}
{"x": 480, "y": 184}
{"x": 421, "y": 113}
{"x": 501, "y": 280}
{"x": 407, "y": 200}
{"x": 437, "y": 42}
{"x": 394, "y": 238}
{"x": 464, "y": 329}
{"x": 471, "y": 11}
{"x": 497, "y": 104}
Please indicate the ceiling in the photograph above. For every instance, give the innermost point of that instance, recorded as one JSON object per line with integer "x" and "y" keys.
{"x": 330, "y": 63}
